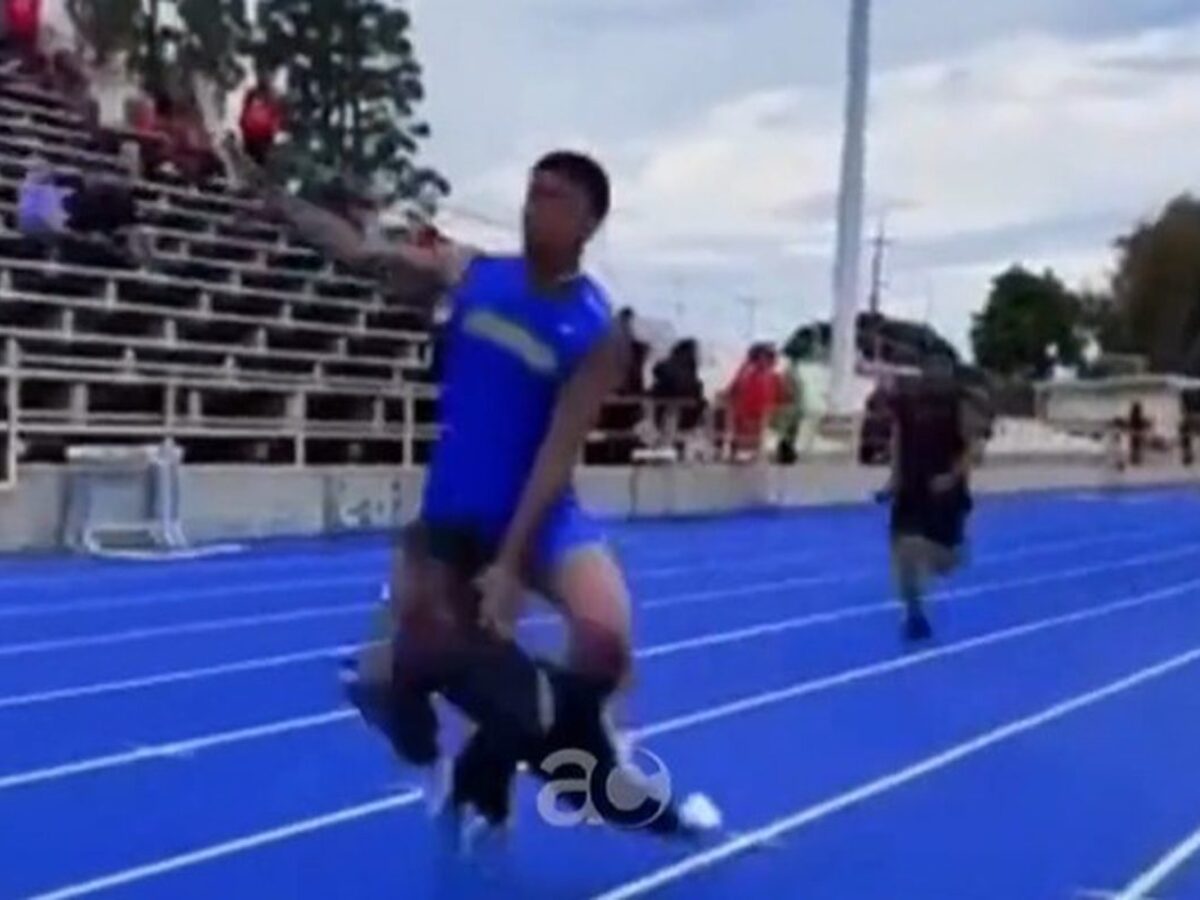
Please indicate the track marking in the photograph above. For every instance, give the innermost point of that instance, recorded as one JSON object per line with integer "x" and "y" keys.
{"x": 175, "y": 749}
{"x": 748, "y": 840}
{"x": 303, "y": 656}
{"x": 202, "y": 627}
{"x": 205, "y": 626}
{"x": 29, "y": 611}
{"x": 205, "y": 742}
{"x": 240, "y": 845}
{"x": 700, "y": 861}
{"x": 143, "y": 599}
{"x": 1175, "y": 858}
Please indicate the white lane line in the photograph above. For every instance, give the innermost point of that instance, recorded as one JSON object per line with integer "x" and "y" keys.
{"x": 804, "y": 688}
{"x": 867, "y": 609}
{"x": 303, "y": 656}
{"x": 1175, "y": 859}
{"x": 330, "y": 611}
{"x": 301, "y": 614}
{"x": 350, "y": 814}
{"x": 175, "y": 749}
{"x": 143, "y": 599}
{"x": 873, "y": 670}
{"x": 182, "y": 675}
{"x": 202, "y": 627}
{"x": 240, "y": 845}
{"x": 33, "y": 610}
{"x": 748, "y": 841}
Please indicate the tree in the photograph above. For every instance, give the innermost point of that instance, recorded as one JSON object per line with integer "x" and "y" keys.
{"x": 353, "y": 86}
{"x": 1030, "y": 323}
{"x": 193, "y": 38}
{"x": 1156, "y": 289}
{"x": 108, "y": 28}
{"x": 212, "y": 36}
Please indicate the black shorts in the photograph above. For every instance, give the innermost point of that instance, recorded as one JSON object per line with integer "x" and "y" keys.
{"x": 459, "y": 547}
{"x": 940, "y": 518}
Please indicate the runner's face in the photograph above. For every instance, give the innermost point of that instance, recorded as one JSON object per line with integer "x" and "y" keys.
{"x": 558, "y": 217}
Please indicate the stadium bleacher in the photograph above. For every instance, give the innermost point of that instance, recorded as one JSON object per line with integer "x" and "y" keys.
{"x": 239, "y": 343}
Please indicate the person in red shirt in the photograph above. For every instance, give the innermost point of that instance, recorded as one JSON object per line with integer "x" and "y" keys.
{"x": 261, "y": 119}
{"x": 23, "y": 20}
{"x": 755, "y": 394}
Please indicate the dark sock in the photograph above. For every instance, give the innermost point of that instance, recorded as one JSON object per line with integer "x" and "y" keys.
{"x": 483, "y": 777}
{"x": 528, "y": 710}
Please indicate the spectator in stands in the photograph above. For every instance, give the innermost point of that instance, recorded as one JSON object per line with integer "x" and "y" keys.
{"x": 619, "y": 419}
{"x": 262, "y": 117}
{"x": 66, "y": 75}
{"x": 790, "y": 415}
{"x": 1139, "y": 428}
{"x": 678, "y": 391}
{"x": 22, "y": 26}
{"x": 41, "y": 202}
{"x": 192, "y": 151}
{"x": 147, "y": 117}
{"x": 99, "y": 213}
{"x": 752, "y": 399}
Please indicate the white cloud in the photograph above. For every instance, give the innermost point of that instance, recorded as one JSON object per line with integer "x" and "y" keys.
{"x": 1037, "y": 145}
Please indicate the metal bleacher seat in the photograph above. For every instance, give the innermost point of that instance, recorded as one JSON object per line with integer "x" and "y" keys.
{"x": 239, "y": 343}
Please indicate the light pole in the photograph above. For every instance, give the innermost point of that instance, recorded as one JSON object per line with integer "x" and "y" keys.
{"x": 850, "y": 212}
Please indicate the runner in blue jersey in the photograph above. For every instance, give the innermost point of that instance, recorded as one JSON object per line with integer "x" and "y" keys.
{"x": 531, "y": 352}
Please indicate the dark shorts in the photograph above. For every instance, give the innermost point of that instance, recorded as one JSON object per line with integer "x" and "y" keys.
{"x": 940, "y": 518}
{"x": 469, "y": 548}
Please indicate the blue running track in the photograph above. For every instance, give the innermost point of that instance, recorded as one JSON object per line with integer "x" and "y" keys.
{"x": 175, "y": 730}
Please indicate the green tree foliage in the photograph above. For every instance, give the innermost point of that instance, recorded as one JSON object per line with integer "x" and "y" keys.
{"x": 108, "y": 28}
{"x": 353, "y": 87}
{"x": 1030, "y": 322}
{"x": 181, "y": 37}
{"x": 211, "y": 38}
{"x": 1156, "y": 290}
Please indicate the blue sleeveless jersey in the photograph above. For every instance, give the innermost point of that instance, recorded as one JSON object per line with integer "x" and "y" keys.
{"x": 507, "y": 351}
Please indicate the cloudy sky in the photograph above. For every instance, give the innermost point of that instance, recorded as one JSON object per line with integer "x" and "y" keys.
{"x": 1017, "y": 130}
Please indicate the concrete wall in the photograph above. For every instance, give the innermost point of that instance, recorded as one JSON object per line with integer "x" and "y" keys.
{"x": 234, "y": 502}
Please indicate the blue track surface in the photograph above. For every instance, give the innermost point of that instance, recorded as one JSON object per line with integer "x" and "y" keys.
{"x": 175, "y": 730}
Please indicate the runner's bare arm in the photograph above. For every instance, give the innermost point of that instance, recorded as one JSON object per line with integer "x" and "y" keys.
{"x": 406, "y": 268}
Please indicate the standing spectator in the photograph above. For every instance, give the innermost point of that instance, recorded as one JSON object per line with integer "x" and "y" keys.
{"x": 752, "y": 399}
{"x": 678, "y": 390}
{"x": 148, "y": 118}
{"x": 192, "y": 150}
{"x": 23, "y": 23}
{"x": 98, "y": 213}
{"x": 41, "y": 203}
{"x": 1139, "y": 426}
{"x": 261, "y": 119}
{"x": 790, "y": 415}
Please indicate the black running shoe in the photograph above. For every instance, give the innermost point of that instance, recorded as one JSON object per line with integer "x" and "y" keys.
{"x": 917, "y": 627}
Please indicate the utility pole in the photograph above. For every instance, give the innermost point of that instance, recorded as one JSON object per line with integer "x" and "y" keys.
{"x": 879, "y": 246}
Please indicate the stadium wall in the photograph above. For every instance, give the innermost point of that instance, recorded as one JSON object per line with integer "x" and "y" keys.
{"x": 240, "y": 502}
